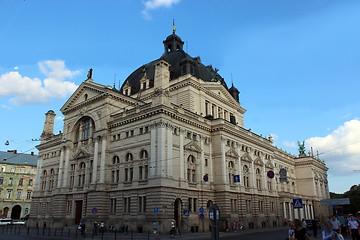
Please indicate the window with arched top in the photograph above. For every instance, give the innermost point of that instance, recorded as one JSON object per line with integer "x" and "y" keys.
{"x": 231, "y": 172}
{"x": 191, "y": 159}
{"x": 144, "y": 154}
{"x": 44, "y": 173}
{"x": 116, "y": 159}
{"x": 246, "y": 176}
{"x": 129, "y": 157}
{"x": 191, "y": 169}
{"x": 84, "y": 129}
{"x": 231, "y": 164}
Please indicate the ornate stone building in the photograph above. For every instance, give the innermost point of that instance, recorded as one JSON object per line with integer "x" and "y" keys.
{"x": 171, "y": 139}
{"x": 17, "y": 177}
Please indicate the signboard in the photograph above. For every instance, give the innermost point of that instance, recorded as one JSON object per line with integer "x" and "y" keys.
{"x": 201, "y": 216}
{"x": 297, "y": 203}
{"x": 94, "y": 210}
{"x": 206, "y": 178}
{"x": 270, "y": 174}
{"x": 187, "y": 213}
{"x": 283, "y": 175}
{"x": 335, "y": 201}
{"x": 156, "y": 210}
{"x": 236, "y": 178}
{"x": 201, "y": 210}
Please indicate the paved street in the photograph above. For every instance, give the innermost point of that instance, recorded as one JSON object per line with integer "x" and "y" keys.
{"x": 21, "y": 233}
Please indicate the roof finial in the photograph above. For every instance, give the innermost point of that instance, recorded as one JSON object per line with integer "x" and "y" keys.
{"x": 173, "y": 26}
{"x": 232, "y": 83}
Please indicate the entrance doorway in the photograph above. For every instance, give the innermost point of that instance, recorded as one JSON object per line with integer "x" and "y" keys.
{"x": 78, "y": 211}
{"x": 177, "y": 212}
{"x": 6, "y": 211}
{"x": 16, "y": 212}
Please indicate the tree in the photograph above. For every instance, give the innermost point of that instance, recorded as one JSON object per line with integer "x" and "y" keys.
{"x": 354, "y": 195}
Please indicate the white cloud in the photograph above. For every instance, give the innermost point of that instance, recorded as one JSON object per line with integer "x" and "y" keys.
{"x": 16, "y": 68}
{"x": 59, "y": 118}
{"x": 289, "y": 144}
{"x": 154, "y": 4}
{"x": 5, "y": 107}
{"x": 24, "y": 90}
{"x": 340, "y": 149}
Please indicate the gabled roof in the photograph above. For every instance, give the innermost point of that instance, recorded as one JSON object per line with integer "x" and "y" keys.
{"x": 18, "y": 158}
{"x": 193, "y": 146}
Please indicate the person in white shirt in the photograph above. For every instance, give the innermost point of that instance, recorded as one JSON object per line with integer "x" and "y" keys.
{"x": 335, "y": 224}
{"x": 328, "y": 233}
{"x": 354, "y": 228}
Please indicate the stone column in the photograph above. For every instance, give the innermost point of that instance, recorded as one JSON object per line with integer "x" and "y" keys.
{"x": 181, "y": 158}
{"x": 275, "y": 184}
{"x": 160, "y": 164}
{"x": 152, "y": 151}
{"x": 284, "y": 209}
{"x": 264, "y": 176}
{"x": 252, "y": 174}
{"x": 240, "y": 167}
{"x": 61, "y": 163}
{"x": 202, "y": 157}
{"x": 66, "y": 168}
{"x": 211, "y": 177}
{"x": 169, "y": 159}
{"x": 95, "y": 163}
{"x": 301, "y": 213}
{"x": 38, "y": 173}
{"x": 290, "y": 212}
{"x": 102, "y": 159}
{"x": 312, "y": 211}
{"x": 223, "y": 161}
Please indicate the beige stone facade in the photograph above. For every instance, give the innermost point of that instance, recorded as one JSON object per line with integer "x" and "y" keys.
{"x": 153, "y": 144}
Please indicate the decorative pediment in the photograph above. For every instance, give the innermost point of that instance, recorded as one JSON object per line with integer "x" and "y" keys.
{"x": 269, "y": 165}
{"x": 232, "y": 153}
{"x": 246, "y": 157}
{"x": 192, "y": 146}
{"x": 258, "y": 161}
{"x": 82, "y": 153}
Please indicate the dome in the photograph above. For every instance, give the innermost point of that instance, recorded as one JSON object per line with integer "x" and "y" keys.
{"x": 179, "y": 61}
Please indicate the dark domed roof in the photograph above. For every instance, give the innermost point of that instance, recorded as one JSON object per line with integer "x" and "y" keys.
{"x": 176, "y": 57}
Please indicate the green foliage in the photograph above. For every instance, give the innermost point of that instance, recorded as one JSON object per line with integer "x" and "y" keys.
{"x": 354, "y": 195}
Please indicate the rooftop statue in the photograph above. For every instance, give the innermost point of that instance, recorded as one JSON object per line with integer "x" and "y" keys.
{"x": 301, "y": 147}
{"x": 90, "y": 73}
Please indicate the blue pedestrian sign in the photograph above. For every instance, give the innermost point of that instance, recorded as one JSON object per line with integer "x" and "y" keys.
{"x": 297, "y": 203}
{"x": 201, "y": 210}
{"x": 156, "y": 210}
{"x": 187, "y": 213}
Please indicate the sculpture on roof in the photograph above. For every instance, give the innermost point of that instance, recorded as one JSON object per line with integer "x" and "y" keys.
{"x": 89, "y": 76}
{"x": 301, "y": 147}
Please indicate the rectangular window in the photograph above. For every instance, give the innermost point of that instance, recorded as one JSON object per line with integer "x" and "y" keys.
{"x": 18, "y": 196}
{"x": 112, "y": 176}
{"x": 190, "y": 204}
{"x": 3, "y": 168}
{"x": 30, "y": 182}
{"x": 188, "y": 135}
{"x": 140, "y": 173}
{"x": 69, "y": 207}
{"x": 131, "y": 174}
{"x": 146, "y": 171}
{"x": 141, "y": 131}
{"x": 213, "y": 110}
{"x": 10, "y": 181}
{"x": 206, "y": 108}
{"x": 193, "y": 175}
{"x": 21, "y": 180}
{"x": 195, "y": 204}
{"x": 144, "y": 204}
{"x": 126, "y": 175}
{"x": 128, "y": 210}
{"x": 125, "y": 205}
{"x": 140, "y": 204}
{"x": 117, "y": 176}
{"x": 28, "y": 195}
{"x": 12, "y": 169}
{"x": 206, "y": 162}
{"x": 22, "y": 170}
{"x": 188, "y": 175}
{"x": 8, "y": 195}
{"x": 132, "y": 133}
{"x": 1, "y": 180}
{"x": 146, "y": 129}
{"x": 112, "y": 205}
{"x": 220, "y": 114}
{"x": 127, "y": 134}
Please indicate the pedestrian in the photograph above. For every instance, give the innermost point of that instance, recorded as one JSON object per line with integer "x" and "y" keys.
{"x": 335, "y": 224}
{"x": 300, "y": 232}
{"x": 291, "y": 232}
{"x": 234, "y": 226}
{"x": 82, "y": 226}
{"x": 96, "y": 225}
{"x": 354, "y": 228}
{"x": 154, "y": 228}
{"x": 102, "y": 227}
{"x": 329, "y": 233}
{"x": 303, "y": 225}
{"x": 172, "y": 231}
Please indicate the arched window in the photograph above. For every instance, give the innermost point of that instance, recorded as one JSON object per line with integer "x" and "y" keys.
{"x": 144, "y": 154}
{"x": 191, "y": 159}
{"x": 84, "y": 129}
{"x": 191, "y": 169}
{"x": 231, "y": 172}
{"x": 116, "y": 159}
{"x": 82, "y": 168}
{"x": 129, "y": 157}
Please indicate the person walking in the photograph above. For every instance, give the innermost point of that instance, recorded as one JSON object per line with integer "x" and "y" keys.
{"x": 300, "y": 233}
{"x": 102, "y": 227}
{"x": 354, "y": 228}
{"x": 328, "y": 233}
{"x": 314, "y": 226}
{"x": 335, "y": 224}
{"x": 96, "y": 226}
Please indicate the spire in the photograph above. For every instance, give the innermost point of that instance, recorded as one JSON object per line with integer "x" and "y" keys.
{"x": 174, "y": 26}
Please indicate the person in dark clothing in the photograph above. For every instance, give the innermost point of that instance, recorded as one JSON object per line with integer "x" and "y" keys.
{"x": 300, "y": 233}
{"x": 314, "y": 226}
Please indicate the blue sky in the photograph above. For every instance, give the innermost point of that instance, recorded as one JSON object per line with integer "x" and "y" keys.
{"x": 295, "y": 63}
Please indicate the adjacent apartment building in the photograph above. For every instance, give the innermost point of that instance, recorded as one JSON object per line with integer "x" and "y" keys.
{"x": 17, "y": 179}
{"x": 167, "y": 145}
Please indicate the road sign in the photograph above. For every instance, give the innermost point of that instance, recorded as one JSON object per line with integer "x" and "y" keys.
{"x": 187, "y": 213}
{"x": 94, "y": 210}
{"x": 336, "y": 201}
{"x": 206, "y": 178}
{"x": 201, "y": 216}
{"x": 270, "y": 174}
{"x": 156, "y": 210}
{"x": 201, "y": 210}
{"x": 236, "y": 178}
{"x": 297, "y": 203}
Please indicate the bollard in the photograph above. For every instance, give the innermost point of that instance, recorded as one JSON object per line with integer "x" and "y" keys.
{"x": 115, "y": 234}
{"x": 43, "y": 231}
{"x": 75, "y": 234}
{"x": 69, "y": 233}
{"x": 14, "y": 229}
{"x": 28, "y": 230}
{"x": 37, "y": 232}
{"x": 148, "y": 235}
{"x": 19, "y": 230}
{"x": 49, "y": 232}
{"x": 102, "y": 234}
{"x": 132, "y": 235}
{"x": 55, "y": 233}
{"x": 62, "y": 230}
